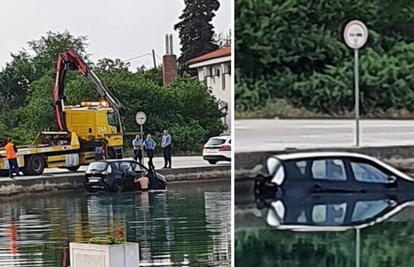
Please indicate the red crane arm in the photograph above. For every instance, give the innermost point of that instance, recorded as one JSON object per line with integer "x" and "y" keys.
{"x": 65, "y": 61}
{"x": 71, "y": 60}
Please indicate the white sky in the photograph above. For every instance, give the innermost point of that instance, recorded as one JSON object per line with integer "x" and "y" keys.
{"x": 116, "y": 28}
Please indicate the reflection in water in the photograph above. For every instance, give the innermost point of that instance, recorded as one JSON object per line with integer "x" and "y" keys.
{"x": 326, "y": 229}
{"x": 219, "y": 221}
{"x": 182, "y": 227}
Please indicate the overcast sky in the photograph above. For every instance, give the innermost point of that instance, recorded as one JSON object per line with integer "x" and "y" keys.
{"x": 116, "y": 29}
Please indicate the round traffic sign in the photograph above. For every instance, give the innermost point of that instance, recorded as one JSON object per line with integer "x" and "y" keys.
{"x": 140, "y": 118}
{"x": 355, "y": 34}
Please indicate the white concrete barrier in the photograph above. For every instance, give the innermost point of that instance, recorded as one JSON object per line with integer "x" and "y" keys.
{"x": 93, "y": 255}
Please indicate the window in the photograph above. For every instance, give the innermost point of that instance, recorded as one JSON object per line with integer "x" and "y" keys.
{"x": 137, "y": 168}
{"x": 112, "y": 119}
{"x": 302, "y": 166}
{"x": 125, "y": 166}
{"x": 368, "y": 209}
{"x": 98, "y": 166}
{"x": 215, "y": 142}
{"x": 330, "y": 214}
{"x": 364, "y": 172}
{"x": 329, "y": 169}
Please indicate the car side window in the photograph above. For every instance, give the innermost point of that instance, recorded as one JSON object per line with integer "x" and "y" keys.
{"x": 364, "y": 172}
{"x": 330, "y": 214}
{"x": 368, "y": 209}
{"x": 329, "y": 169}
{"x": 137, "y": 168}
{"x": 124, "y": 166}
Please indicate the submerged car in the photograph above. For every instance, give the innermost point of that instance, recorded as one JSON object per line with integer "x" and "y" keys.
{"x": 334, "y": 172}
{"x": 217, "y": 149}
{"x": 330, "y": 191}
{"x": 119, "y": 175}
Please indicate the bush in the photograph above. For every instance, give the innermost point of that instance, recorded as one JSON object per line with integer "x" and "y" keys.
{"x": 294, "y": 50}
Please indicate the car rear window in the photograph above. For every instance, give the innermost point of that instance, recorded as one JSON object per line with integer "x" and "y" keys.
{"x": 98, "y": 166}
{"x": 216, "y": 142}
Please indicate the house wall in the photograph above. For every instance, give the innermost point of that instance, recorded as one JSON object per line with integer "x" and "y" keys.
{"x": 219, "y": 84}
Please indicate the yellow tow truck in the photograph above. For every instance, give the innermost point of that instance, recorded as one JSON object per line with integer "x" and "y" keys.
{"x": 80, "y": 128}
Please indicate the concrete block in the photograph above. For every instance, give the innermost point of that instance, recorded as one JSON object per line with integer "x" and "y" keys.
{"x": 94, "y": 255}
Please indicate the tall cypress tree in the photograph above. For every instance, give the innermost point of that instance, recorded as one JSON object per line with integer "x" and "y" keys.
{"x": 196, "y": 31}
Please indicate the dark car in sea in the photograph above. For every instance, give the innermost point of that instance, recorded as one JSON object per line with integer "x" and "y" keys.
{"x": 118, "y": 175}
{"x": 330, "y": 191}
{"x": 333, "y": 172}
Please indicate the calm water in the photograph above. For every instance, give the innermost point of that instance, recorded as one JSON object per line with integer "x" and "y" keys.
{"x": 190, "y": 225}
{"x": 381, "y": 240}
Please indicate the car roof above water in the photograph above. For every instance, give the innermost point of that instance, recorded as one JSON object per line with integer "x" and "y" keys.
{"x": 310, "y": 155}
{"x": 115, "y": 160}
{"x": 305, "y": 155}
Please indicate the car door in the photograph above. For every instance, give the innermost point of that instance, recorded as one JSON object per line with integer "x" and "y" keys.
{"x": 315, "y": 175}
{"x": 331, "y": 175}
{"x": 370, "y": 177}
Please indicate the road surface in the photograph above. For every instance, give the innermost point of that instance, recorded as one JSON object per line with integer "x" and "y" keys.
{"x": 275, "y": 134}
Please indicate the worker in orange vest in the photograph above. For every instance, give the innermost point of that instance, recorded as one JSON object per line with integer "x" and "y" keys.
{"x": 11, "y": 156}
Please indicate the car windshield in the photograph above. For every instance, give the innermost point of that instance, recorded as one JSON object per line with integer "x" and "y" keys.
{"x": 98, "y": 166}
{"x": 215, "y": 142}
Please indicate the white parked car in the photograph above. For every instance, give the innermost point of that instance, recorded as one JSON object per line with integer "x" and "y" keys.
{"x": 217, "y": 149}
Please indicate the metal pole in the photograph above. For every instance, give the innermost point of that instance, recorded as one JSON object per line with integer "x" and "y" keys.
{"x": 358, "y": 248}
{"x": 167, "y": 46}
{"x": 356, "y": 74}
{"x": 142, "y": 146}
{"x": 153, "y": 57}
{"x": 171, "y": 45}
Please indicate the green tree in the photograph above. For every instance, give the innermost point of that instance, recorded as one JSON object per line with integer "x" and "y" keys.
{"x": 294, "y": 50}
{"x": 185, "y": 106}
{"x": 196, "y": 31}
{"x": 223, "y": 39}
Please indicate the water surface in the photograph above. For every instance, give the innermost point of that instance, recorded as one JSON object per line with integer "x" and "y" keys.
{"x": 378, "y": 242}
{"x": 190, "y": 225}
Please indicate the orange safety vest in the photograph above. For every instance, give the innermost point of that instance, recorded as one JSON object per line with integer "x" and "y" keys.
{"x": 10, "y": 153}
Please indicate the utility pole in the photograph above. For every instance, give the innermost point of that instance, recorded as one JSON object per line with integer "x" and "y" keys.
{"x": 153, "y": 57}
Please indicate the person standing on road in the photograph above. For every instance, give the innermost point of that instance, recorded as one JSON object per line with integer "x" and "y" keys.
{"x": 149, "y": 148}
{"x": 166, "y": 147}
{"x": 137, "y": 144}
{"x": 11, "y": 156}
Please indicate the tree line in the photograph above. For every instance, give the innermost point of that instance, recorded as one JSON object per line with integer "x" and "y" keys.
{"x": 294, "y": 50}
{"x": 184, "y": 107}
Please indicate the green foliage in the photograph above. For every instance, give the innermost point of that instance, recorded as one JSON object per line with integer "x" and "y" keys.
{"x": 117, "y": 238}
{"x": 382, "y": 245}
{"x": 223, "y": 40}
{"x": 185, "y": 107}
{"x": 294, "y": 50}
{"x": 195, "y": 30}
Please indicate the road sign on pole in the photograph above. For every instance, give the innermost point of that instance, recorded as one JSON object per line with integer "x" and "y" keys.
{"x": 356, "y": 36}
{"x": 140, "y": 118}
